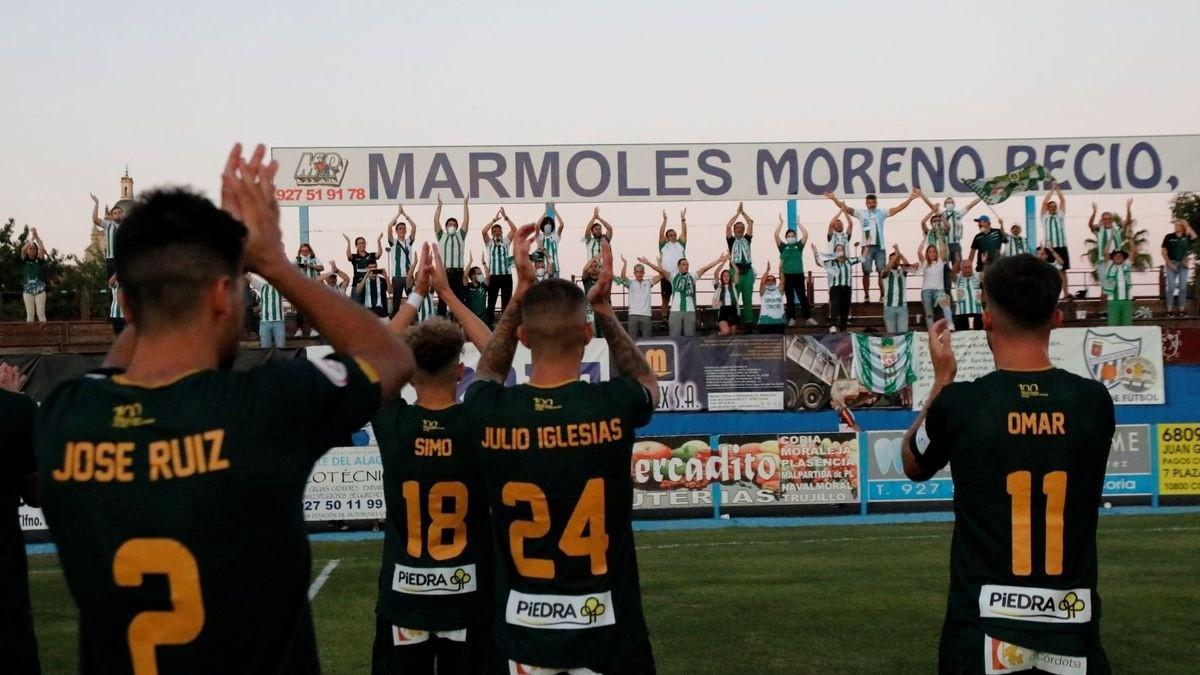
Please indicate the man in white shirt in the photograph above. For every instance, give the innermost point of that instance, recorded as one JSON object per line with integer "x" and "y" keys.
{"x": 640, "y": 290}
{"x": 673, "y": 248}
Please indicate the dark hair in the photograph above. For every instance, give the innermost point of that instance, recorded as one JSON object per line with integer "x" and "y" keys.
{"x": 548, "y": 307}
{"x": 872, "y": 196}
{"x": 362, "y": 239}
{"x": 171, "y": 247}
{"x": 546, "y": 220}
{"x": 451, "y": 220}
{"x": 436, "y": 344}
{"x": 1024, "y": 289}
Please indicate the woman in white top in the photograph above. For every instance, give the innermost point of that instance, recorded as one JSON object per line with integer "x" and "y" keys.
{"x": 933, "y": 284}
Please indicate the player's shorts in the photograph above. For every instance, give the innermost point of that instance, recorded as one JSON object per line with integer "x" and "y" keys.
{"x": 1065, "y": 255}
{"x": 639, "y": 661}
{"x": 401, "y": 651}
{"x": 873, "y": 257}
{"x": 965, "y": 649}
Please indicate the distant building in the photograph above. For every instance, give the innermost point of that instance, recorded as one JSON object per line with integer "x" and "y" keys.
{"x": 95, "y": 249}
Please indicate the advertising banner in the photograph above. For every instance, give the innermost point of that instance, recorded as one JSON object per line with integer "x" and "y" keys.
{"x": 671, "y": 472}
{"x": 30, "y": 518}
{"x": 716, "y": 373}
{"x": 1179, "y": 459}
{"x": 1128, "y": 471}
{"x": 1128, "y": 360}
{"x": 786, "y": 469}
{"x": 346, "y": 484}
{"x": 886, "y": 481}
{"x": 330, "y": 175}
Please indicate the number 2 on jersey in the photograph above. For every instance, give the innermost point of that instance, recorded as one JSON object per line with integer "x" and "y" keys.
{"x": 583, "y": 537}
{"x": 133, "y": 561}
{"x": 1020, "y": 488}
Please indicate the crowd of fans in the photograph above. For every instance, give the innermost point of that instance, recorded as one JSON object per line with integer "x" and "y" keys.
{"x": 950, "y": 268}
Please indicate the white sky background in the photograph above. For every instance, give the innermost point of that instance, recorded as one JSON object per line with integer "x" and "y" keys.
{"x": 168, "y": 87}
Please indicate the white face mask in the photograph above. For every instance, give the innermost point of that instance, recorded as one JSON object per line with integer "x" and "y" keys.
{"x": 479, "y": 278}
{"x": 791, "y": 239}
{"x": 772, "y": 287}
{"x": 452, "y": 229}
{"x": 949, "y": 205}
{"x": 547, "y": 228}
{"x": 541, "y": 274}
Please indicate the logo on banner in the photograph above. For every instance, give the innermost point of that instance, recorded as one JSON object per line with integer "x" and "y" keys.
{"x": 1041, "y": 605}
{"x": 1113, "y": 360}
{"x": 321, "y": 168}
{"x": 560, "y": 612}
{"x": 889, "y": 456}
{"x": 661, "y": 358}
{"x": 1005, "y": 657}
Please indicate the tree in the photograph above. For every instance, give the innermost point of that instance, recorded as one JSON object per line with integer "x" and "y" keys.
{"x": 1141, "y": 259}
{"x": 66, "y": 277}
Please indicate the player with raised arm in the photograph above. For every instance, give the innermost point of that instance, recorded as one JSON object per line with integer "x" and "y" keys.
{"x": 173, "y": 489}
{"x": 451, "y": 242}
{"x": 1054, "y": 225}
{"x": 435, "y": 595}
{"x": 1029, "y": 446}
{"x": 555, "y": 455}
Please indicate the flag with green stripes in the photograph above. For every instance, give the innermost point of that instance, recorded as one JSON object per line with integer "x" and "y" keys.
{"x": 884, "y": 363}
{"x": 1000, "y": 188}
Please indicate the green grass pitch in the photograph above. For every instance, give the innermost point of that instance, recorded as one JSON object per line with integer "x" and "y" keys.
{"x": 828, "y": 599}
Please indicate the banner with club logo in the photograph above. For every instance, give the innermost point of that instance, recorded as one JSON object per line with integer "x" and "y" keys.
{"x": 1127, "y": 360}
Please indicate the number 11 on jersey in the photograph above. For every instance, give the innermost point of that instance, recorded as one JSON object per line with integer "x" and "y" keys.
{"x": 1020, "y": 488}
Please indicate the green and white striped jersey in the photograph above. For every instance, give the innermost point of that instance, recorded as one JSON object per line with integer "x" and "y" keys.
{"x": 683, "y": 292}
{"x": 550, "y": 247}
{"x": 498, "y": 256}
{"x": 1055, "y": 228}
{"x": 1109, "y": 239}
{"x": 401, "y": 257}
{"x": 114, "y": 310}
{"x": 836, "y": 238}
{"x": 452, "y": 248}
{"x": 895, "y": 287}
{"x": 838, "y": 272}
{"x": 426, "y": 309}
{"x": 270, "y": 302}
{"x": 110, "y": 237}
{"x": 308, "y": 260}
{"x": 1015, "y": 245}
{"x": 739, "y": 251}
{"x": 374, "y": 293}
{"x": 966, "y": 296}
{"x": 954, "y": 224}
{"x": 1118, "y": 282}
{"x": 593, "y": 245}
{"x": 771, "y": 307}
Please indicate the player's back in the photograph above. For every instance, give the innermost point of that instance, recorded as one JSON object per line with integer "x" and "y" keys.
{"x": 1028, "y": 452}
{"x": 176, "y": 510}
{"x": 556, "y": 466}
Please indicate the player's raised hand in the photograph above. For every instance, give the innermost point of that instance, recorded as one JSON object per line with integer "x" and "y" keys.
{"x": 522, "y": 243}
{"x": 424, "y": 276}
{"x": 437, "y": 277}
{"x": 600, "y": 294}
{"x": 941, "y": 353}
{"x": 11, "y": 378}
{"x": 249, "y": 190}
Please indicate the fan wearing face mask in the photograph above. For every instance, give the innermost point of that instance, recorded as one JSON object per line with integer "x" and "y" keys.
{"x": 952, "y": 220}
{"x": 451, "y": 241}
{"x": 477, "y": 283}
{"x": 838, "y": 270}
{"x": 791, "y": 268}
{"x": 770, "y": 304}
{"x": 549, "y": 236}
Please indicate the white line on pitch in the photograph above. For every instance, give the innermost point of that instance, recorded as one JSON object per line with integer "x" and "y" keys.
{"x": 321, "y": 579}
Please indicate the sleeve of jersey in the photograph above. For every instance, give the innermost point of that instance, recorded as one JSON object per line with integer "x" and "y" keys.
{"x": 343, "y": 395}
{"x": 931, "y": 444}
{"x": 634, "y": 401}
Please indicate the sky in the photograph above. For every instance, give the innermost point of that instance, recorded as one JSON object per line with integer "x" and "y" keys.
{"x": 168, "y": 87}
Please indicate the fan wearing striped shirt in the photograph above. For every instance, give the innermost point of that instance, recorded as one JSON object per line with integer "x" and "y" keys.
{"x": 838, "y": 270}
{"x": 308, "y": 263}
{"x": 478, "y": 283}
{"x": 1054, "y": 225}
{"x": 116, "y": 315}
{"x": 401, "y": 235}
{"x": 452, "y": 243}
{"x": 1109, "y": 236}
{"x": 497, "y": 257}
{"x": 682, "y": 320}
{"x": 839, "y": 233}
{"x": 550, "y": 231}
{"x": 270, "y": 314}
{"x": 109, "y": 227}
{"x": 597, "y": 228}
{"x": 968, "y": 307}
{"x": 374, "y": 288}
{"x": 738, "y": 237}
{"x": 895, "y": 303}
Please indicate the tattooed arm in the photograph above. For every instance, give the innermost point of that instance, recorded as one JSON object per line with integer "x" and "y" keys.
{"x": 626, "y": 357}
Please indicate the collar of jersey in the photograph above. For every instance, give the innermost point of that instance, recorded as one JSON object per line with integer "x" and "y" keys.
{"x": 125, "y": 381}
{"x": 551, "y": 386}
{"x": 1030, "y": 370}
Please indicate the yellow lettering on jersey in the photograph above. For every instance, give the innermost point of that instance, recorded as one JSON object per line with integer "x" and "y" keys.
{"x": 190, "y": 455}
{"x": 99, "y": 462}
{"x": 501, "y": 438}
{"x": 434, "y": 447}
{"x": 1037, "y": 424}
{"x": 579, "y": 435}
